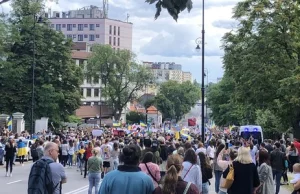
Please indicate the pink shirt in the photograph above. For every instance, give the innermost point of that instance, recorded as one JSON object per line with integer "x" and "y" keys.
{"x": 154, "y": 169}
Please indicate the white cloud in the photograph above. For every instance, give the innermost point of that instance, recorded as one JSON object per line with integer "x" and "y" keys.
{"x": 165, "y": 39}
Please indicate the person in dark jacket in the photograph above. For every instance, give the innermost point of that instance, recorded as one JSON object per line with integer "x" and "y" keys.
{"x": 243, "y": 165}
{"x": 277, "y": 164}
{"x": 10, "y": 152}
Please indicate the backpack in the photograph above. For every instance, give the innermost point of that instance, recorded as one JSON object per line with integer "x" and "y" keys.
{"x": 33, "y": 150}
{"x": 40, "y": 178}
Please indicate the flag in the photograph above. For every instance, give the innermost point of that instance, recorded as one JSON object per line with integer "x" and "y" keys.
{"x": 192, "y": 122}
{"x": 142, "y": 124}
{"x": 9, "y": 123}
{"x": 177, "y": 136}
{"x": 116, "y": 124}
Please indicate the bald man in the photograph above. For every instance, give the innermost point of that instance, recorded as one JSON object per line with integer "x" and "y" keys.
{"x": 51, "y": 152}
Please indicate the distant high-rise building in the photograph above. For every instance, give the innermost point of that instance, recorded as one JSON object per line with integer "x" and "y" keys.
{"x": 90, "y": 25}
{"x": 187, "y": 76}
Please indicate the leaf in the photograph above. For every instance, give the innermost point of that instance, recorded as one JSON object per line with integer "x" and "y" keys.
{"x": 151, "y": 1}
{"x": 189, "y": 5}
{"x": 158, "y": 9}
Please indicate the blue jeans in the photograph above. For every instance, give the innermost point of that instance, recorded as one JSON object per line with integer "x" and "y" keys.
{"x": 205, "y": 188}
{"x": 94, "y": 181}
{"x": 70, "y": 160}
{"x": 277, "y": 176}
{"x": 218, "y": 175}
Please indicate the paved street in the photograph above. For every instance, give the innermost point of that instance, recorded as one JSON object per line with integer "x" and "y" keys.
{"x": 18, "y": 182}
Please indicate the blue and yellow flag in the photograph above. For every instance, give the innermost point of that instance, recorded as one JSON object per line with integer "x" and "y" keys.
{"x": 116, "y": 124}
{"x": 9, "y": 123}
{"x": 142, "y": 124}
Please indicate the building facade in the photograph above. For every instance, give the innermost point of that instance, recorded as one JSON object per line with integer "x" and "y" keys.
{"x": 89, "y": 25}
{"x": 187, "y": 76}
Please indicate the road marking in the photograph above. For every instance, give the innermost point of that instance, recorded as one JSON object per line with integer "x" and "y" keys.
{"x": 13, "y": 182}
{"x": 78, "y": 190}
{"x": 81, "y": 191}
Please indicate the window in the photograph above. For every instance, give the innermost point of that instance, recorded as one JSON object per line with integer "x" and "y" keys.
{"x": 58, "y": 27}
{"x": 69, "y": 27}
{"x": 88, "y": 92}
{"x": 74, "y": 25}
{"x": 64, "y": 25}
{"x": 97, "y": 25}
{"x": 96, "y": 79}
{"x": 85, "y": 36}
{"x": 80, "y": 27}
{"x": 115, "y": 30}
{"x": 74, "y": 36}
{"x": 86, "y": 25}
{"x": 96, "y": 92}
{"x": 88, "y": 80}
{"x": 110, "y": 29}
{"x": 97, "y": 36}
{"x": 69, "y": 36}
{"x": 92, "y": 27}
{"x": 92, "y": 37}
{"x": 81, "y": 91}
{"x": 118, "y": 41}
{"x": 80, "y": 37}
{"x": 52, "y": 25}
{"x": 114, "y": 41}
{"x": 110, "y": 40}
{"x": 119, "y": 31}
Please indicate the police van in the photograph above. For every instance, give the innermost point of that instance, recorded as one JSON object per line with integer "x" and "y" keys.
{"x": 254, "y": 131}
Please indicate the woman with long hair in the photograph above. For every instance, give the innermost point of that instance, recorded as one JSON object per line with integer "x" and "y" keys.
{"x": 206, "y": 171}
{"x": 150, "y": 168}
{"x": 87, "y": 154}
{"x": 191, "y": 172}
{"x": 217, "y": 169}
{"x": 265, "y": 174}
{"x": 64, "y": 150}
{"x": 115, "y": 155}
{"x": 246, "y": 178}
{"x": 10, "y": 151}
{"x": 172, "y": 182}
{"x": 94, "y": 168}
{"x": 71, "y": 151}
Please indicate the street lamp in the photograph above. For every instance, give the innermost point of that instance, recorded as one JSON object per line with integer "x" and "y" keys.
{"x": 37, "y": 20}
{"x": 198, "y": 41}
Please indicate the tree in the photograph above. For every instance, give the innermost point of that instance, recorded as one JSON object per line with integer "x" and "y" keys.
{"x": 261, "y": 59}
{"x": 134, "y": 117}
{"x": 121, "y": 75}
{"x": 174, "y": 100}
{"x": 174, "y": 7}
{"x": 57, "y": 78}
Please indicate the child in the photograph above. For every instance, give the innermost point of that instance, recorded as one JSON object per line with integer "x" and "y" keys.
{"x": 296, "y": 171}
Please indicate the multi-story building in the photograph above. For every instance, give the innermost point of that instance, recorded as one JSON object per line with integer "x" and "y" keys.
{"x": 187, "y": 76}
{"x": 165, "y": 71}
{"x": 91, "y": 26}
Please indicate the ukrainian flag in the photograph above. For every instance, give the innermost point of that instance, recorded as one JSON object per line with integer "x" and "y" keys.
{"x": 9, "y": 123}
{"x": 116, "y": 124}
{"x": 142, "y": 124}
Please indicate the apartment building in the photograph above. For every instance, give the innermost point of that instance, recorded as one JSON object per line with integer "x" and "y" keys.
{"x": 187, "y": 76}
{"x": 90, "y": 25}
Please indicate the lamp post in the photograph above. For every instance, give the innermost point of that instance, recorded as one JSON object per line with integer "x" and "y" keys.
{"x": 38, "y": 20}
{"x": 202, "y": 41}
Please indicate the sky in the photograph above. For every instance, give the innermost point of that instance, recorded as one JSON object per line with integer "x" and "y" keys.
{"x": 165, "y": 40}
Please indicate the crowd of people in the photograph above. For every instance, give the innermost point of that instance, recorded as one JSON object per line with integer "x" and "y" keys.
{"x": 159, "y": 163}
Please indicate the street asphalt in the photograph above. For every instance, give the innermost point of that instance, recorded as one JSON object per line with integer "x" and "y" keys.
{"x": 76, "y": 184}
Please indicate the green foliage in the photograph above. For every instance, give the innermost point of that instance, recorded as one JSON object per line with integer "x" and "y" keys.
{"x": 134, "y": 117}
{"x": 174, "y": 7}
{"x": 261, "y": 62}
{"x": 74, "y": 119}
{"x": 57, "y": 78}
{"x": 175, "y": 100}
{"x": 121, "y": 76}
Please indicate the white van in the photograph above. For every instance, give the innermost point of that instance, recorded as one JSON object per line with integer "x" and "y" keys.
{"x": 255, "y": 131}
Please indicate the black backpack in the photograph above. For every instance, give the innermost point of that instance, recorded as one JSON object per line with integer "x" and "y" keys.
{"x": 33, "y": 151}
{"x": 40, "y": 178}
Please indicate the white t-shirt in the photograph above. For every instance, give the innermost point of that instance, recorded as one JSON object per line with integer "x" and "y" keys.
{"x": 210, "y": 152}
{"x": 203, "y": 150}
{"x": 106, "y": 150}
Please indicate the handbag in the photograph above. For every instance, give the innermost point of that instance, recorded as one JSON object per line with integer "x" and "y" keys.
{"x": 229, "y": 178}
